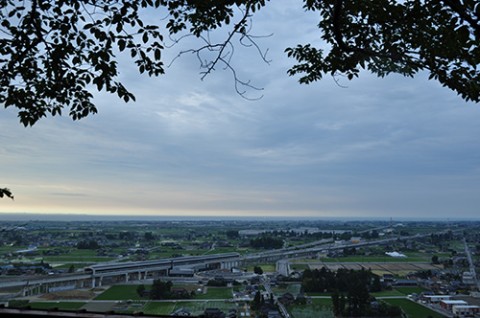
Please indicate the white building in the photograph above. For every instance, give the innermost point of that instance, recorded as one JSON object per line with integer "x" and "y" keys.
{"x": 465, "y": 310}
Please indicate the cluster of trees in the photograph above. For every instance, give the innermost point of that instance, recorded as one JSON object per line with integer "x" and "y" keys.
{"x": 441, "y": 237}
{"x": 266, "y": 242}
{"x": 258, "y": 301}
{"x": 88, "y": 245}
{"x": 343, "y": 280}
{"x": 258, "y": 270}
{"x": 370, "y": 234}
{"x": 311, "y": 235}
{"x": 127, "y": 235}
{"x": 350, "y": 292}
{"x": 349, "y": 251}
{"x": 163, "y": 290}
{"x": 365, "y": 307}
{"x": 148, "y": 236}
{"x": 130, "y": 236}
{"x": 217, "y": 282}
{"x": 232, "y": 234}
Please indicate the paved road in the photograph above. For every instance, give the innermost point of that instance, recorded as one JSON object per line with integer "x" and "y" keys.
{"x": 281, "y": 307}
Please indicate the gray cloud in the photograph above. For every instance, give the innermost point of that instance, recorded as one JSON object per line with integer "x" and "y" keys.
{"x": 380, "y": 147}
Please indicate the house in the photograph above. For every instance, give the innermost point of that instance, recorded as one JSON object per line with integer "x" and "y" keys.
{"x": 435, "y": 299}
{"x": 180, "y": 292}
{"x": 232, "y": 313}
{"x": 405, "y": 282}
{"x": 465, "y": 310}
{"x": 468, "y": 278}
{"x": 448, "y": 304}
{"x": 388, "y": 278}
{"x": 286, "y": 299}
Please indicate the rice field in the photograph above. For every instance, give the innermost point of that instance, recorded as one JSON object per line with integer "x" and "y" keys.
{"x": 379, "y": 268}
{"x": 120, "y": 292}
{"x": 60, "y": 305}
{"x": 319, "y": 307}
{"x": 412, "y": 309}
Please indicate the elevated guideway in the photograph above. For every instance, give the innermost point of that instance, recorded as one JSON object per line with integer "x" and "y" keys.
{"x": 122, "y": 272}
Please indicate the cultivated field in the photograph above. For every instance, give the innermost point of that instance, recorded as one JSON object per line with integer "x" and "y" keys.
{"x": 396, "y": 269}
{"x": 412, "y": 309}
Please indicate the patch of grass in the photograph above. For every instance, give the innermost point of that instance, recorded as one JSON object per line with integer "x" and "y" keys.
{"x": 380, "y": 259}
{"x": 322, "y": 302}
{"x": 120, "y": 292}
{"x": 410, "y": 290}
{"x": 319, "y": 307}
{"x": 76, "y": 255}
{"x": 318, "y": 294}
{"x": 73, "y": 258}
{"x": 197, "y": 308}
{"x": 386, "y": 293}
{"x": 75, "y": 265}
{"x": 294, "y": 289}
{"x": 62, "y": 305}
{"x": 412, "y": 309}
{"x": 222, "y": 250}
{"x": 265, "y": 267}
{"x": 159, "y": 308}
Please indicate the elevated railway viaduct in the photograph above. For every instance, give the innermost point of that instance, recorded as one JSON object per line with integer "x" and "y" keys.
{"x": 122, "y": 272}
{"x": 112, "y": 273}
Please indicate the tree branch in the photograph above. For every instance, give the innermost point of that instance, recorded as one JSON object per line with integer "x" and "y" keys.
{"x": 6, "y": 192}
{"x": 474, "y": 23}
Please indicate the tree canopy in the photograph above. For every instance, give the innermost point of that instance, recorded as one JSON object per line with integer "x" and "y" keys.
{"x": 52, "y": 53}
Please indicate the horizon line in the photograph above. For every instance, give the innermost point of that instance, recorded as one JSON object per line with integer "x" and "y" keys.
{"x": 21, "y": 216}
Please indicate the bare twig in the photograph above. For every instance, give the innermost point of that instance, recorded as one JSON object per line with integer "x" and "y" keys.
{"x": 224, "y": 52}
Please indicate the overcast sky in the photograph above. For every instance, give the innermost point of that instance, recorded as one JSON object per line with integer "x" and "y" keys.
{"x": 392, "y": 147}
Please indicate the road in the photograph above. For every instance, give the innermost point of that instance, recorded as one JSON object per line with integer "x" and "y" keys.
{"x": 281, "y": 307}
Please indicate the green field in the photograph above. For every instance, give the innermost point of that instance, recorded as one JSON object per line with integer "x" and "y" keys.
{"x": 410, "y": 290}
{"x": 314, "y": 294}
{"x": 294, "y": 289}
{"x": 413, "y": 257}
{"x": 159, "y": 308}
{"x": 221, "y": 250}
{"x": 412, "y": 309}
{"x": 386, "y": 293}
{"x": 62, "y": 305}
{"x": 319, "y": 307}
{"x": 76, "y": 255}
{"x": 265, "y": 267}
{"x": 120, "y": 292}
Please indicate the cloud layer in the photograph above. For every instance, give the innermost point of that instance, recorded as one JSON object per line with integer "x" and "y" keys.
{"x": 393, "y": 147}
